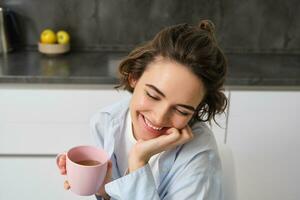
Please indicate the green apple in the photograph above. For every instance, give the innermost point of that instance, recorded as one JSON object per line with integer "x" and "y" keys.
{"x": 63, "y": 37}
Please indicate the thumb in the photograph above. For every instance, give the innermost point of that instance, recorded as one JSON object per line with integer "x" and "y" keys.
{"x": 109, "y": 172}
{"x": 66, "y": 185}
{"x": 107, "y": 179}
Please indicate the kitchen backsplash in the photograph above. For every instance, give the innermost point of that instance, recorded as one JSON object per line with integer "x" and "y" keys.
{"x": 242, "y": 26}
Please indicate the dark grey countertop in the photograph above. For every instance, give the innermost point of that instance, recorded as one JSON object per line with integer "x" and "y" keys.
{"x": 257, "y": 70}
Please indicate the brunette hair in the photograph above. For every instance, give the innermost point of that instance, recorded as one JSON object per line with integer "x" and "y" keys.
{"x": 193, "y": 46}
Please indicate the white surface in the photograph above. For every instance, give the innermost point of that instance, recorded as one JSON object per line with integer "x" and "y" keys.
{"x": 228, "y": 168}
{"x": 47, "y": 121}
{"x": 263, "y": 133}
{"x": 37, "y": 120}
{"x": 33, "y": 179}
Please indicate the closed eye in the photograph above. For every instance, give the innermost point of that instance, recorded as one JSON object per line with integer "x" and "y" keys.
{"x": 157, "y": 99}
{"x": 151, "y": 96}
{"x": 182, "y": 113}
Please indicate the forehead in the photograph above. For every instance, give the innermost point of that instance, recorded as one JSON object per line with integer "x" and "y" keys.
{"x": 175, "y": 80}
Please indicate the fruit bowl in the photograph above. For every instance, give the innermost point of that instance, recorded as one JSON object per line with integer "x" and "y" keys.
{"x": 53, "y": 49}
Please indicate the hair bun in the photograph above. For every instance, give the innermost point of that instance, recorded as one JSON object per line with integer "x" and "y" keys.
{"x": 207, "y": 25}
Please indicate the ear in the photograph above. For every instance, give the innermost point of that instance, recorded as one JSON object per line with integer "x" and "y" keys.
{"x": 132, "y": 80}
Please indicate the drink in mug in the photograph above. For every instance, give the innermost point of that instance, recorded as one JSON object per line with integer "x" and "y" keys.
{"x": 86, "y": 169}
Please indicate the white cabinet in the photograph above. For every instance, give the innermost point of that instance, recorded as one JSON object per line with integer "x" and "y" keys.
{"x": 33, "y": 178}
{"x": 37, "y": 120}
{"x": 36, "y": 123}
{"x": 263, "y": 133}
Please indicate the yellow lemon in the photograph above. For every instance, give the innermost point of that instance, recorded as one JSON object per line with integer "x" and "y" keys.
{"x": 48, "y": 36}
{"x": 63, "y": 37}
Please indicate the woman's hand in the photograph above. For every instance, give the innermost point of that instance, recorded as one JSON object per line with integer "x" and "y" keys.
{"x": 142, "y": 151}
{"x": 101, "y": 192}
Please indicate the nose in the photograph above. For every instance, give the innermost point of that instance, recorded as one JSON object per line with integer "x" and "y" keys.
{"x": 161, "y": 115}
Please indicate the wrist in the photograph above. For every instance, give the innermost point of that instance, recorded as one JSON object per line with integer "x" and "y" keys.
{"x": 104, "y": 196}
{"x": 136, "y": 164}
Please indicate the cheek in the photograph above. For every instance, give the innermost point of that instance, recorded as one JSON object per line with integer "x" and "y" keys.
{"x": 180, "y": 122}
{"x": 142, "y": 103}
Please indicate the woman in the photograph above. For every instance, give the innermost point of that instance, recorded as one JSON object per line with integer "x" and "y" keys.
{"x": 160, "y": 145}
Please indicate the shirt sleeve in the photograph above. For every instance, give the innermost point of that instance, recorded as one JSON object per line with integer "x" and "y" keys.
{"x": 201, "y": 179}
{"x": 100, "y": 132}
{"x": 137, "y": 185}
{"x": 198, "y": 180}
{"x": 96, "y": 130}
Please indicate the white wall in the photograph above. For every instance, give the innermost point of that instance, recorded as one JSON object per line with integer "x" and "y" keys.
{"x": 263, "y": 132}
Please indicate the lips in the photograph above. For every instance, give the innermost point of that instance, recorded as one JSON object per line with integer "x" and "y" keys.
{"x": 153, "y": 131}
{"x": 148, "y": 123}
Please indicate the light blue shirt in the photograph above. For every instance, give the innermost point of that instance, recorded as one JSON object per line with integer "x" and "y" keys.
{"x": 190, "y": 171}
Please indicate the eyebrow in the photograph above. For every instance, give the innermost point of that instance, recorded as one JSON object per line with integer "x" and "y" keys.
{"x": 162, "y": 94}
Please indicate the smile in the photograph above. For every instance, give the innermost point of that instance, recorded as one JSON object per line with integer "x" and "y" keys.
{"x": 150, "y": 125}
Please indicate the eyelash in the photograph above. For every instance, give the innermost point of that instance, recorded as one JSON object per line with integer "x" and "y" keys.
{"x": 157, "y": 99}
{"x": 152, "y": 97}
{"x": 182, "y": 113}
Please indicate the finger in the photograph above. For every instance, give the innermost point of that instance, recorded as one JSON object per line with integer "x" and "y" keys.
{"x": 107, "y": 179}
{"x": 62, "y": 164}
{"x": 63, "y": 171}
{"x": 162, "y": 142}
{"x": 187, "y": 133}
{"x": 190, "y": 131}
{"x": 173, "y": 137}
{"x": 173, "y": 134}
{"x": 184, "y": 135}
{"x": 66, "y": 185}
{"x": 109, "y": 172}
{"x": 62, "y": 161}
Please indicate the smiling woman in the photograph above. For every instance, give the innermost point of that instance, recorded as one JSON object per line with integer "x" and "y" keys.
{"x": 159, "y": 145}
{"x": 165, "y": 96}
{"x": 194, "y": 47}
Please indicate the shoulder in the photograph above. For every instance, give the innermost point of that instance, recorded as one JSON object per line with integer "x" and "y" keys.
{"x": 113, "y": 112}
{"x": 109, "y": 117}
{"x": 105, "y": 124}
{"x": 204, "y": 139}
{"x": 114, "y": 109}
{"x": 202, "y": 147}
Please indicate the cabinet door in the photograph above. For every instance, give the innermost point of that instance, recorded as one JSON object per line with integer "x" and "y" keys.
{"x": 48, "y": 120}
{"x": 37, "y": 123}
{"x": 263, "y": 132}
{"x": 33, "y": 178}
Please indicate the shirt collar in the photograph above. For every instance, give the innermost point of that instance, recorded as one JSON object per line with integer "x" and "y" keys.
{"x": 129, "y": 132}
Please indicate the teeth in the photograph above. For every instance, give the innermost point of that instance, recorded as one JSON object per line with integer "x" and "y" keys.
{"x": 150, "y": 125}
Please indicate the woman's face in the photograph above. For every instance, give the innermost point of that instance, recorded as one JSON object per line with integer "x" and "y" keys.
{"x": 165, "y": 96}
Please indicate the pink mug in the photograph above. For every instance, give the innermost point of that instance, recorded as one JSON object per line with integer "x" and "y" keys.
{"x": 86, "y": 169}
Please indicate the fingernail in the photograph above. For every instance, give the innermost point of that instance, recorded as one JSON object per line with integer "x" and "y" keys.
{"x": 66, "y": 185}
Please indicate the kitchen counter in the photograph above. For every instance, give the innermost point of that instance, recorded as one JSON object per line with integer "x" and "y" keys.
{"x": 259, "y": 70}
{"x": 71, "y": 68}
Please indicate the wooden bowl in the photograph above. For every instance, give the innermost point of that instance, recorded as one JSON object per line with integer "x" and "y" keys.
{"x": 52, "y": 49}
